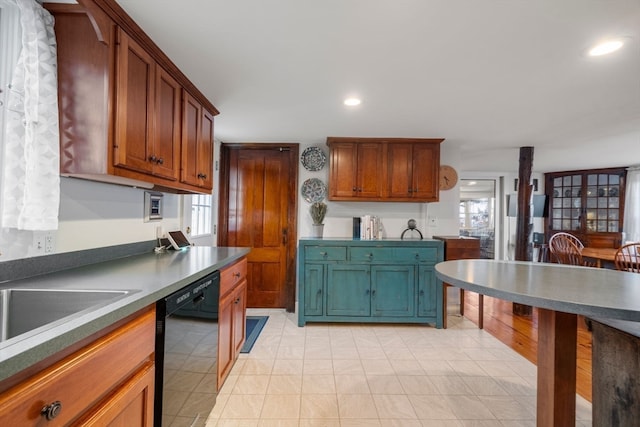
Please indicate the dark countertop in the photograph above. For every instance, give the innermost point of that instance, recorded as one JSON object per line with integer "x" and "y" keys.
{"x": 151, "y": 275}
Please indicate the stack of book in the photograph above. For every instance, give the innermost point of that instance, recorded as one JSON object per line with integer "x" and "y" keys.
{"x": 367, "y": 227}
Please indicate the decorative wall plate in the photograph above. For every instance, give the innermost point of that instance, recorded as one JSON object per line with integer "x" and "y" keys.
{"x": 313, "y": 159}
{"x": 313, "y": 190}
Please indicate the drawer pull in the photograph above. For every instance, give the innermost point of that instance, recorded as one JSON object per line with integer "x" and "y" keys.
{"x": 52, "y": 410}
{"x": 236, "y": 275}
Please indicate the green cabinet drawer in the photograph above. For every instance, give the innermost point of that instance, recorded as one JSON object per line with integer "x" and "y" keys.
{"x": 325, "y": 253}
{"x": 386, "y": 254}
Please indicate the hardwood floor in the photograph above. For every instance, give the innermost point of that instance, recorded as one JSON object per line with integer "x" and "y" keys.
{"x": 521, "y": 334}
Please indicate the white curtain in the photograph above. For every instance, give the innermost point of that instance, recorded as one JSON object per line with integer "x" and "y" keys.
{"x": 632, "y": 206}
{"x": 31, "y": 160}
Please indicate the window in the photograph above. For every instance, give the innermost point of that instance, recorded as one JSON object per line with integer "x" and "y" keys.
{"x": 201, "y": 214}
{"x": 477, "y": 213}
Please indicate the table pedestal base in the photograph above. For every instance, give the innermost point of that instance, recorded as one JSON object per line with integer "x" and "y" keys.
{"x": 557, "y": 338}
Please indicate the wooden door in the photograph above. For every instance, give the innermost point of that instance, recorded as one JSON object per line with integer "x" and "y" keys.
{"x": 258, "y": 209}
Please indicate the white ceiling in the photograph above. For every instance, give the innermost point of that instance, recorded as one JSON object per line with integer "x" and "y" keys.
{"x": 490, "y": 76}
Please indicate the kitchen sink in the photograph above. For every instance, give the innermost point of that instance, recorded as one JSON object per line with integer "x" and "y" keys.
{"x": 23, "y": 310}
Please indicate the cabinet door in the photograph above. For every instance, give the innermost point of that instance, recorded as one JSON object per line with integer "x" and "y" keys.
{"x": 393, "y": 290}
{"x": 348, "y": 290}
{"x": 225, "y": 339}
{"x": 314, "y": 275}
{"x": 131, "y": 405}
{"x": 166, "y": 138}
{"x": 135, "y": 83}
{"x": 205, "y": 152}
{"x": 197, "y": 144}
{"x": 400, "y": 170}
{"x": 239, "y": 308}
{"x": 191, "y": 129}
{"x": 370, "y": 180}
{"x": 343, "y": 170}
{"x": 427, "y": 292}
{"x": 426, "y": 162}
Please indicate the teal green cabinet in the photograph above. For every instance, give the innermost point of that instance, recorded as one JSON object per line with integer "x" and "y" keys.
{"x": 348, "y": 290}
{"x": 375, "y": 281}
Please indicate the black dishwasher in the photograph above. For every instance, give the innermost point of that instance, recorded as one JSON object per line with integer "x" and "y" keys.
{"x": 186, "y": 354}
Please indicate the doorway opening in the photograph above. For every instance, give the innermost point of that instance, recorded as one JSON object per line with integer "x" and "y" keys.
{"x": 478, "y": 213}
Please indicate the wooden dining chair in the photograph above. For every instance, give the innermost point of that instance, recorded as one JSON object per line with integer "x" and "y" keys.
{"x": 628, "y": 258}
{"x": 567, "y": 249}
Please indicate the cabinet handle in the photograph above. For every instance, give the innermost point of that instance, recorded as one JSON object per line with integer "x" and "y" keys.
{"x": 354, "y": 189}
{"x": 153, "y": 159}
{"x": 52, "y": 410}
{"x": 237, "y": 301}
{"x": 319, "y": 291}
{"x": 324, "y": 254}
{"x": 202, "y": 175}
{"x": 410, "y": 191}
{"x": 236, "y": 275}
{"x": 160, "y": 161}
{"x": 373, "y": 293}
{"x": 421, "y": 293}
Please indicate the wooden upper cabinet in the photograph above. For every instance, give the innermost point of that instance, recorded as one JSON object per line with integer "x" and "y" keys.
{"x": 147, "y": 137}
{"x": 354, "y": 170}
{"x": 121, "y": 99}
{"x": 412, "y": 172}
{"x": 384, "y": 169}
{"x": 167, "y": 126}
{"x": 197, "y": 144}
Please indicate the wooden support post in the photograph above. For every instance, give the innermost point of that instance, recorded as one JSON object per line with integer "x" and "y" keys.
{"x": 557, "y": 335}
{"x": 524, "y": 249}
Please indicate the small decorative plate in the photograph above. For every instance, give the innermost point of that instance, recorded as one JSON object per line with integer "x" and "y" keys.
{"x": 313, "y": 159}
{"x": 314, "y": 190}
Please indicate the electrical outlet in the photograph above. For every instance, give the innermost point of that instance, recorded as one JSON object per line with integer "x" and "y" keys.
{"x": 49, "y": 242}
{"x": 159, "y": 232}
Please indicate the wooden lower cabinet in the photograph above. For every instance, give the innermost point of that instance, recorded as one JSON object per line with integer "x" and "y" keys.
{"x": 369, "y": 281}
{"x": 231, "y": 316}
{"x": 131, "y": 405}
{"x": 110, "y": 381}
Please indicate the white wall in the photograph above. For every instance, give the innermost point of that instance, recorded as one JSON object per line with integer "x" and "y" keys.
{"x": 94, "y": 215}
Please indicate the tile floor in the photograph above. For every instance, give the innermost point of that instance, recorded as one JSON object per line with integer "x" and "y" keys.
{"x": 347, "y": 375}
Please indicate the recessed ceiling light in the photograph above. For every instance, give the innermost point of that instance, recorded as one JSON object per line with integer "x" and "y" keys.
{"x": 605, "y": 47}
{"x": 351, "y": 102}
